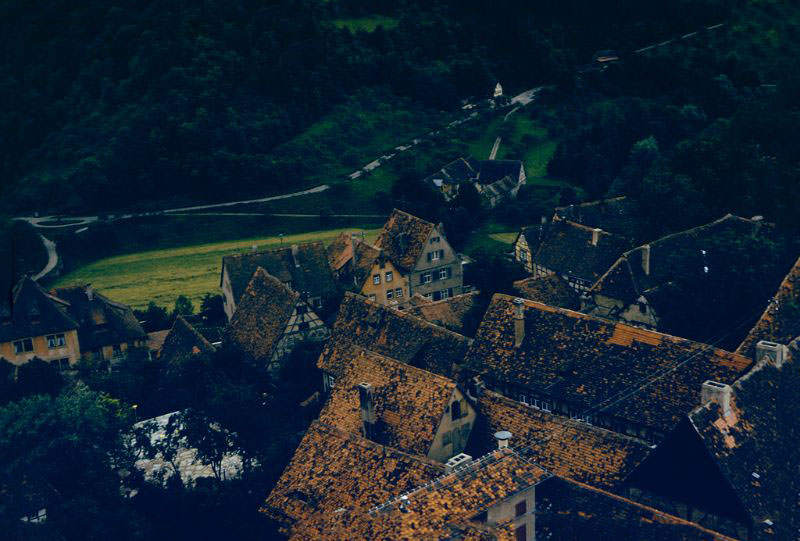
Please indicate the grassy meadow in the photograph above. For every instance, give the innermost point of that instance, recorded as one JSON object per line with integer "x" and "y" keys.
{"x": 162, "y": 275}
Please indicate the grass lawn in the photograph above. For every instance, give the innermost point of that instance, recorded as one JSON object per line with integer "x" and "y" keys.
{"x": 492, "y": 238}
{"x": 162, "y": 275}
{"x": 366, "y": 24}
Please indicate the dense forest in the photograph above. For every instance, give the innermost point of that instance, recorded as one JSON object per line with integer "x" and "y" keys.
{"x": 130, "y": 104}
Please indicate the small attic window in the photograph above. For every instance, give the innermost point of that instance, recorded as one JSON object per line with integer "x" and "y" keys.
{"x": 642, "y": 307}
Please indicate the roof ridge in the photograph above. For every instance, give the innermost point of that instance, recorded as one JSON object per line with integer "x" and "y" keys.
{"x": 595, "y": 202}
{"x": 664, "y": 514}
{"x": 240, "y": 255}
{"x": 398, "y": 211}
{"x": 580, "y": 315}
{"x": 405, "y": 366}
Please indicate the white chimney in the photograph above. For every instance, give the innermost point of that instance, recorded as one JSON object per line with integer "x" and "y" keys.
{"x": 89, "y": 292}
{"x": 456, "y": 461}
{"x": 502, "y": 438}
{"x": 774, "y": 353}
{"x": 367, "y": 405}
{"x": 596, "y": 235}
{"x": 646, "y": 259}
{"x": 519, "y": 322}
{"x": 719, "y": 393}
{"x": 294, "y": 256}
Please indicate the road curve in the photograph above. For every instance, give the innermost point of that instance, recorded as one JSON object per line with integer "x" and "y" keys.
{"x": 52, "y": 257}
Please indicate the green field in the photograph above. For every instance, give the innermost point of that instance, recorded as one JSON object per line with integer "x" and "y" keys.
{"x": 162, "y": 275}
{"x": 366, "y": 24}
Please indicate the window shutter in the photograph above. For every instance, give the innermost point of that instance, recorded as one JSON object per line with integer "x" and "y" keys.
{"x": 449, "y": 272}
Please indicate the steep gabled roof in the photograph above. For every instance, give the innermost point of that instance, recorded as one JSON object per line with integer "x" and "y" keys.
{"x": 409, "y": 402}
{"x": 369, "y": 325}
{"x": 618, "y": 215}
{"x": 564, "y": 447}
{"x": 567, "y": 248}
{"x": 579, "y": 511}
{"x": 585, "y": 361}
{"x": 335, "y": 473}
{"x": 490, "y": 171}
{"x": 780, "y": 322}
{"x": 449, "y": 313}
{"x": 551, "y": 289}
{"x": 262, "y": 315}
{"x": 31, "y": 311}
{"x": 403, "y": 239}
{"x": 102, "y": 322}
{"x": 183, "y": 340}
{"x": 458, "y": 171}
{"x": 304, "y": 266}
{"x": 754, "y": 445}
{"x": 441, "y": 510}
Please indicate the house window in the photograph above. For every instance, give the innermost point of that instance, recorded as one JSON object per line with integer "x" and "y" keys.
{"x": 426, "y": 278}
{"x": 455, "y": 410}
{"x": 428, "y": 295}
{"x": 521, "y": 533}
{"x": 23, "y": 346}
{"x": 447, "y": 293}
{"x": 435, "y": 240}
{"x": 435, "y": 255}
{"x": 117, "y": 350}
{"x": 642, "y": 307}
{"x": 330, "y": 380}
{"x": 56, "y": 341}
{"x": 302, "y": 326}
{"x": 389, "y": 276}
{"x": 398, "y": 293}
{"x": 447, "y": 438}
{"x": 372, "y": 297}
{"x": 523, "y": 255}
{"x": 376, "y": 279}
{"x": 443, "y": 274}
{"x": 390, "y": 294}
{"x": 61, "y": 364}
{"x": 521, "y": 508}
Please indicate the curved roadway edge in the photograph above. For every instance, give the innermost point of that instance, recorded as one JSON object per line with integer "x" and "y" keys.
{"x": 52, "y": 257}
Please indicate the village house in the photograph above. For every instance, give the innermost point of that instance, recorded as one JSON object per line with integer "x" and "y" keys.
{"x": 731, "y": 464}
{"x": 453, "y": 313}
{"x": 35, "y": 323}
{"x": 183, "y": 341}
{"x": 270, "y": 320}
{"x": 644, "y": 285}
{"x": 303, "y": 268}
{"x": 617, "y": 215}
{"x": 106, "y": 329}
{"x": 395, "y": 404}
{"x": 361, "y": 323}
{"x": 578, "y": 254}
{"x": 350, "y": 258}
{"x": 585, "y": 367}
{"x": 494, "y": 180}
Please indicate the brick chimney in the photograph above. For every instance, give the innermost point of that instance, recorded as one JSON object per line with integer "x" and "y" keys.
{"x": 596, "y": 235}
{"x": 367, "y": 405}
{"x": 502, "y": 438}
{"x": 519, "y": 322}
{"x": 646, "y": 259}
{"x": 719, "y": 393}
{"x": 773, "y": 352}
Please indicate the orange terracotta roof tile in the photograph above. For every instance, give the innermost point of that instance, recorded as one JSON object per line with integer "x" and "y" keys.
{"x": 403, "y": 238}
{"x": 551, "y": 289}
{"x": 448, "y": 313}
{"x": 409, "y": 402}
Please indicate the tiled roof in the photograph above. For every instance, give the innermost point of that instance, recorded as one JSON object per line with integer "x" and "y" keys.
{"x": 403, "y": 238}
{"x": 564, "y": 447}
{"x": 579, "y": 511}
{"x": 491, "y": 171}
{"x": 567, "y": 248}
{"x": 261, "y": 317}
{"x": 441, "y": 510}
{"x": 31, "y": 311}
{"x": 409, "y": 402}
{"x": 583, "y": 360}
{"x": 334, "y": 473}
{"x": 780, "y": 322}
{"x": 183, "y": 340}
{"x": 455, "y": 172}
{"x": 340, "y": 250}
{"x": 448, "y": 313}
{"x": 755, "y": 444}
{"x": 618, "y": 215}
{"x": 305, "y": 266}
{"x": 369, "y": 325}
{"x": 551, "y": 289}
{"x": 103, "y": 322}
{"x": 155, "y": 341}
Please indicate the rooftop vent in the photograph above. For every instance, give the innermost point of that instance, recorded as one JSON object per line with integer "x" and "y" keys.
{"x": 596, "y": 235}
{"x": 519, "y": 322}
{"x": 773, "y": 352}
{"x": 719, "y": 393}
{"x": 456, "y": 461}
{"x": 502, "y": 438}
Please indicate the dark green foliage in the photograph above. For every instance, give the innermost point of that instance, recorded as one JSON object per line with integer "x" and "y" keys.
{"x": 212, "y": 309}
{"x": 38, "y": 377}
{"x": 183, "y": 306}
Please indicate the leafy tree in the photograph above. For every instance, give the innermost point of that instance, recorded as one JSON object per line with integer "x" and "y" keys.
{"x": 212, "y": 308}
{"x": 183, "y": 306}
{"x": 155, "y": 317}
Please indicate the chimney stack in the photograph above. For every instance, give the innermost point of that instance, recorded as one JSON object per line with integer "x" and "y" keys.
{"x": 774, "y": 353}
{"x": 367, "y": 409}
{"x": 456, "y": 461}
{"x": 89, "y": 292}
{"x": 519, "y": 322}
{"x": 294, "y": 256}
{"x": 502, "y": 438}
{"x": 596, "y": 235}
{"x": 720, "y": 393}
{"x": 646, "y": 259}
